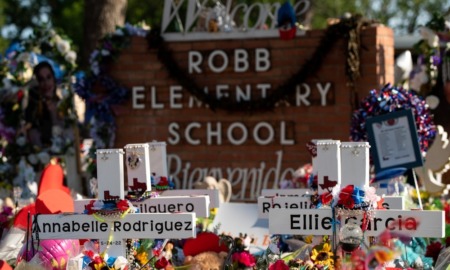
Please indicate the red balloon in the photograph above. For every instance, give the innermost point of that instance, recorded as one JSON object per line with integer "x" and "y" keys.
{"x": 52, "y": 178}
{"x": 54, "y": 201}
{"x": 20, "y": 220}
{"x": 4, "y": 265}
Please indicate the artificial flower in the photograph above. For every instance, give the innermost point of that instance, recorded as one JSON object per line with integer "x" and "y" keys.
{"x": 98, "y": 205}
{"x": 71, "y": 57}
{"x": 88, "y": 208}
{"x": 142, "y": 257}
{"x": 346, "y": 197}
{"x": 161, "y": 263}
{"x": 123, "y": 205}
{"x": 433, "y": 250}
{"x": 382, "y": 254}
{"x": 371, "y": 196}
{"x": 63, "y": 46}
{"x": 322, "y": 255}
{"x": 244, "y": 258}
{"x": 279, "y": 265}
{"x": 326, "y": 198}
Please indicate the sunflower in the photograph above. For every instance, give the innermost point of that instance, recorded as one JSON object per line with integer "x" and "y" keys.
{"x": 322, "y": 255}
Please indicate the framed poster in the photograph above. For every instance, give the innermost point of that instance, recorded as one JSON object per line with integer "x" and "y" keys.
{"x": 394, "y": 142}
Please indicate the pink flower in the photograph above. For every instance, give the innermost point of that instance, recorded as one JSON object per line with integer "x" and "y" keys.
{"x": 372, "y": 196}
{"x": 279, "y": 265}
{"x": 244, "y": 258}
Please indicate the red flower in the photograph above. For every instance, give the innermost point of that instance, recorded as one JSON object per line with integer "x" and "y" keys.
{"x": 345, "y": 197}
{"x": 161, "y": 263}
{"x": 89, "y": 253}
{"x": 326, "y": 198}
{"x": 88, "y": 207}
{"x": 279, "y": 265}
{"x": 447, "y": 212}
{"x": 123, "y": 205}
{"x": 244, "y": 258}
{"x": 163, "y": 181}
{"x": 433, "y": 250}
{"x": 97, "y": 260}
{"x": 20, "y": 95}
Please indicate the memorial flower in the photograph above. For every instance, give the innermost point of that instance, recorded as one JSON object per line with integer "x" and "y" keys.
{"x": 346, "y": 197}
{"x": 123, "y": 205}
{"x": 322, "y": 255}
{"x": 161, "y": 263}
{"x": 244, "y": 258}
{"x": 279, "y": 265}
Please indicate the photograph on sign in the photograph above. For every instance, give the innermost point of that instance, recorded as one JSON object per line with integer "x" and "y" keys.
{"x": 394, "y": 141}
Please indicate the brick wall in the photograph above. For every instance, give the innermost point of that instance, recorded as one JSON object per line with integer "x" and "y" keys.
{"x": 139, "y": 66}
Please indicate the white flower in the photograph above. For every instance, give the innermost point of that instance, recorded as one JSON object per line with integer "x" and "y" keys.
{"x": 430, "y": 36}
{"x": 21, "y": 140}
{"x": 71, "y": 57}
{"x": 98, "y": 205}
{"x": 30, "y": 174}
{"x": 63, "y": 46}
{"x": 32, "y": 159}
{"x": 23, "y": 57}
{"x": 44, "y": 157}
{"x": 65, "y": 93}
{"x": 120, "y": 263}
{"x": 6, "y": 82}
{"x": 118, "y": 32}
{"x": 25, "y": 74}
{"x": 95, "y": 68}
{"x": 105, "y": 52}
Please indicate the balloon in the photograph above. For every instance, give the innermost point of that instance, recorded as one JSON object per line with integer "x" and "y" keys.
{"x": 53, "y": 254}
{"x": 4, "y": 265}
{"x": 20, "y": 220}
{"x": 52, "y": 178}
{"x": 54, "y": 201}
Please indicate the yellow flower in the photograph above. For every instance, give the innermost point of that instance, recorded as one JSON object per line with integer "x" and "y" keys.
{"x": 142, "y": 257}
{"x": 383, "y": 254}
{"x": 308, "y": 239}
{"x": 322, "y": 255}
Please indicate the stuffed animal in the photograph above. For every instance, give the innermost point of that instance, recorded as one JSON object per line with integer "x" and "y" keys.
{"x": 223, "y": 185}
{"x": 208, "y": 260}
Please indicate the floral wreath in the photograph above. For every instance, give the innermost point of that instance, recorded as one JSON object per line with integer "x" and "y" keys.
{"x": 16, "y": 71}
{"x": 391, "y": 99}
{"x": 99, "y": 112}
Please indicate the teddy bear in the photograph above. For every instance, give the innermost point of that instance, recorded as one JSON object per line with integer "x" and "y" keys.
{"x": 208, "y": 260}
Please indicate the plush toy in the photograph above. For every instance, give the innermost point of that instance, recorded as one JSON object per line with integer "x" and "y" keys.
{"x": 205, "y": 252}
{"x": 208, "y": 260}
{"x": 223, "y": 185}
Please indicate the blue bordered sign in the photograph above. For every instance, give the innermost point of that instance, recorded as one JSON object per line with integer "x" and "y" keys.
{"x": 394, "y": 141}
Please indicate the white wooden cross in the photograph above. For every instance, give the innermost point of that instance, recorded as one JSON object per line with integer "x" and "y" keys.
{"x": 349, "y": 161}
{"x": 144, "y": 160}
{"x": 111, "y": 233}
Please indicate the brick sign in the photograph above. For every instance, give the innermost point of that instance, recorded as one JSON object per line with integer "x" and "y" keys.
{"x": 253, "y": 150}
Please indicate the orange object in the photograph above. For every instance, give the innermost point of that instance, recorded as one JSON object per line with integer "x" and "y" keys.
{"x": 54, "y": 201}
{"x": 4, "y": 265}
{"x": 52, "y": 178}
{"x": 20, "y": 220}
